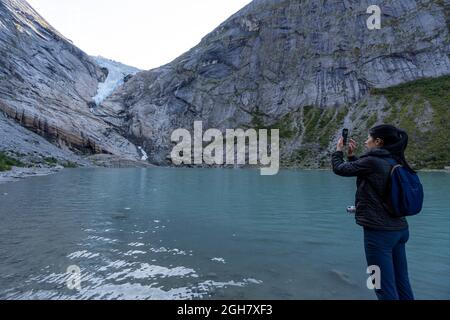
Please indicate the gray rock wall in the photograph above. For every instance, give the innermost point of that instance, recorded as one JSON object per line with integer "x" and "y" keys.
{"x": 46, "y": 84}
{"x": 273, "y": 59}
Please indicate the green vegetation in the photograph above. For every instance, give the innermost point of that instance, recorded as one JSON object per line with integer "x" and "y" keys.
{"x": 311, "y": 116}
{"x": 372, "y": 120}
{"x": 285, "y": 125}
{"x": 54, "y": 162}
{"x": 69, "y": 164}
{"x": 298, "y": 158}
{"x": 322, "y": 124}
{"x": 421, "y": 107}
{"x": 51, "y": 161}
{"x": 6, "y": 162}
{"x": 429, "y": 145}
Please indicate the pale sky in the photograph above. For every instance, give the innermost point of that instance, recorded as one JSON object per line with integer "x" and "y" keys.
{"x": 141, "y": 33}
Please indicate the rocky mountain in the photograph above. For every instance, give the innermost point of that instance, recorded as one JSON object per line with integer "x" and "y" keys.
{"x": 307, "y": 68}
{"x": 47, "y": 86}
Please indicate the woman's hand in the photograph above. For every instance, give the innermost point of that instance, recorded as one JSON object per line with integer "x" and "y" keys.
{"x": 352, "y": 145}
{"x": 340, "y": 145}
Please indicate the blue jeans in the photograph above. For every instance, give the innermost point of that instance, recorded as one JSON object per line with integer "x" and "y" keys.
{"x": 386, "y": 249}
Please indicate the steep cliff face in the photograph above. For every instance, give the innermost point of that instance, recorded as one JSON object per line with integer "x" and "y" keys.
{"x": 305, "y": 67}
{"x": 31, "y": 148}
{"x": 47, "y": 85}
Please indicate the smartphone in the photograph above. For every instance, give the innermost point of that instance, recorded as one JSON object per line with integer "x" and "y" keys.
{"x": 345, "y": 136}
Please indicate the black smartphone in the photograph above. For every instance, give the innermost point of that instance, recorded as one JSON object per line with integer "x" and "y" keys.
{"x": 345, "y": 136}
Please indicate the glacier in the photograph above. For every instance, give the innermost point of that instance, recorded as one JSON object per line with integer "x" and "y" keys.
{"x": 117, "y": 72}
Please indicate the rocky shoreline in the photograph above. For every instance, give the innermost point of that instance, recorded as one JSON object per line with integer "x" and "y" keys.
{"x": 96, "y": 161}
{"x": 112, "y": 161}
{"x": 107, "y": 161}
{"x": 17, "y": 173}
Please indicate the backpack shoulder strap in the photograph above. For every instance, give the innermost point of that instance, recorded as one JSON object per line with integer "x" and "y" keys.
{"x": 393, "y": 163}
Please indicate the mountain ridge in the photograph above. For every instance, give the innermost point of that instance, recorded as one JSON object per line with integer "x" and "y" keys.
{"x": 47, "y": 84}
{"x": 307, "y": 68}
{"x": 299, "y": 66}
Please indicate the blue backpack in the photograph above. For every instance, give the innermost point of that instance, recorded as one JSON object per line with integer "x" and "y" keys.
{"x": 406, "y": 191}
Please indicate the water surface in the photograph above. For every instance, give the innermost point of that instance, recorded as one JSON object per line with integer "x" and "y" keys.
{"x": 203, "y": 234}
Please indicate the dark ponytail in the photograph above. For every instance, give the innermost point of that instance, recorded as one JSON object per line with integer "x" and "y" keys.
{"x": 395, "y": 141}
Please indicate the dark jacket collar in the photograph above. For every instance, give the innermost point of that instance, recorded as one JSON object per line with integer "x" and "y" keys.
{"x": 377, "y": 152}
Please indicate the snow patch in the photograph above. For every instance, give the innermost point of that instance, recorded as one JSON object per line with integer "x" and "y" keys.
{"x": 144, "y": 154}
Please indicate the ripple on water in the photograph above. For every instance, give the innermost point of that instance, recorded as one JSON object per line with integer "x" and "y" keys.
{"x": 125, "y": 280}
{"x": 136, "y": 244}
{"x": 220, "y": 260}
{"x": 83, "y": 254}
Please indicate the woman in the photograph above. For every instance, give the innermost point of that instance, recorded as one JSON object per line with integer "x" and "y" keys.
{"x": 385, "y": 236}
